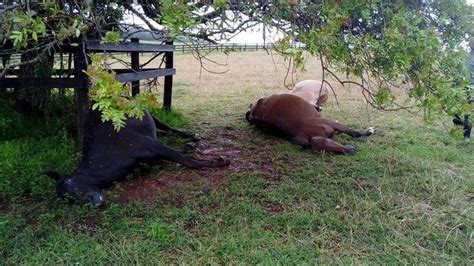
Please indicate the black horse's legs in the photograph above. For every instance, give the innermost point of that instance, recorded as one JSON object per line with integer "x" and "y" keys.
{"x": 466, "y": 125}
{"x": 167, "y": 129}
{"x": 467, "y": 128}
{"x": 157, "y": 150}
{"x": 457, "y": 120}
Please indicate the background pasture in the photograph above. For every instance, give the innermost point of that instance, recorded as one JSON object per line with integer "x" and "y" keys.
{"x": 406, "y": 196}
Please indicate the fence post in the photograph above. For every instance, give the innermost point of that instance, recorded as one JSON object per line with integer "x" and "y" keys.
{"x": 135, "y": 58}
{"x": 168, "y": 80}
{"x": 82, "y": 98}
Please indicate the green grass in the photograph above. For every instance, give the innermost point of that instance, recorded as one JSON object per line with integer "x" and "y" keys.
{"x": 30, "y": 145}
{"x": 406, "y": 196}
{"x": 171, "y": 118}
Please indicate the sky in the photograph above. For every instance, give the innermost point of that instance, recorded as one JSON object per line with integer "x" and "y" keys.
{"x": 253, "y": 35}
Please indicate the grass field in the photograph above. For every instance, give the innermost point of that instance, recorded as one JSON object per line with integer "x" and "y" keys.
{"x": 406, "y": 196}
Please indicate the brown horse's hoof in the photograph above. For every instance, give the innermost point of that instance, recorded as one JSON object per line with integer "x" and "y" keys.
{"x": 350, "y": 150}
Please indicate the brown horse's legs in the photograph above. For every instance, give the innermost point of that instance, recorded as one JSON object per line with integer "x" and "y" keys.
{"x": 327, "y": 144}
{"x": 302, "y": 140}
{"x": 338, "y": 127}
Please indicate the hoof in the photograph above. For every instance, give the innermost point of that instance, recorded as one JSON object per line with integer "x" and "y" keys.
{"x": 196, "y": 138}
{"x": 350, "y": 150}
{"x": 370, "y": 131}
{"x": 190, "y": 146}
{"x": 186, "y": 133}
{"x": 223, "y": 161}
{"x": 96, "y": 199}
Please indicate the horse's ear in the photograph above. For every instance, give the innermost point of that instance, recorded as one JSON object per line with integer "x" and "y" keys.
{"x": 53, "y": 174}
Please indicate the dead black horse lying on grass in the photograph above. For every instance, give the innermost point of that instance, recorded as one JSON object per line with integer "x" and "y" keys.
{"x": 112, "y": 155}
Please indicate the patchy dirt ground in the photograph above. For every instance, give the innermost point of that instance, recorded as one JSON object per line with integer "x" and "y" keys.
{"x": 227, "y": 142}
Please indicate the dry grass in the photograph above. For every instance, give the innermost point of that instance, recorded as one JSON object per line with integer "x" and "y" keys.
{"x": 238, "y": 71}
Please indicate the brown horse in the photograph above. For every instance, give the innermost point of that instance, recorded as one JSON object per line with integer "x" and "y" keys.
{"x": 297, "y": 119}
{"x": 311, "y": 91}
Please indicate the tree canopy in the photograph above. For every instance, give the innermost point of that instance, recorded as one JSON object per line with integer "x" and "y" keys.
{"x": 377, "y": 45}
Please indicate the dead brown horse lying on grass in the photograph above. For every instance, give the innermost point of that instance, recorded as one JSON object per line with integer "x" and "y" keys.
{"x": 112, "y": 155}
{"x": 297, "y": 119}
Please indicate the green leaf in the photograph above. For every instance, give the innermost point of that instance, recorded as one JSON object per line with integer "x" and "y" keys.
{"x": 111, "y": 37}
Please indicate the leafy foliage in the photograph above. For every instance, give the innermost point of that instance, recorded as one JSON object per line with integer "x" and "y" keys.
{"x": 26, "y": 27}
{"x": 47, "y": 23}
{"x": 383, "y": 46}
{"x": 176, "y": 15}
{"x": 112, "y": 97}
{"x": 111, "y": 37}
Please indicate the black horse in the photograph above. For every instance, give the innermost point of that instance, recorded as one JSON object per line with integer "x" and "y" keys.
{"x": 112, "y": 155}
{"x": 466, "y": 123}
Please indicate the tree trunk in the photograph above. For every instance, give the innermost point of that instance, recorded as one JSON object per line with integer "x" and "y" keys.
{"x": 35, "y": 65}
{"x": 82, "y": 101}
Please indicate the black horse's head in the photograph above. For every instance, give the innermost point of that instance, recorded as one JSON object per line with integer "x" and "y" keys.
{"x": 77, "y": 187}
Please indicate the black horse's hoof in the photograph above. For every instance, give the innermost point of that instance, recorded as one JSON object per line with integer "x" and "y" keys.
{"x": 190, "y": 146}
{"x": 196, "y": 138}
{"x": 96, "y": 199}
{"x": 223, "y": 161}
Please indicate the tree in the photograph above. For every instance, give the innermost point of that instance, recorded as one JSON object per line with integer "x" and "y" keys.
{"x": 380, "y": 44}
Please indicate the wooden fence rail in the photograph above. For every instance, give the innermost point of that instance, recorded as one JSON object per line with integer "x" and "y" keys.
{"x": 78, "y": 80}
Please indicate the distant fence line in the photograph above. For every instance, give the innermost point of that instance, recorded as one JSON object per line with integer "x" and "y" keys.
{"x": 228, "y": 47}
{"x": 231, "y": 47}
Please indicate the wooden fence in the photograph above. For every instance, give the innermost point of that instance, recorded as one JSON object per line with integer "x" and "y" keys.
{"x": 79, "y": 81}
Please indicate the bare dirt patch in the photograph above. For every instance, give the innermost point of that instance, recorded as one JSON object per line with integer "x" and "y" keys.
{"x": 226, "y": 142}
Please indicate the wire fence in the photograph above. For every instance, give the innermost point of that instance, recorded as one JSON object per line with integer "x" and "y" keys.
{"x": 182, "y": 48}
{"x": 185, "y": 48}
